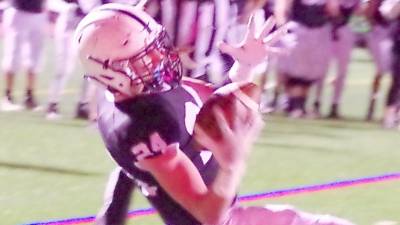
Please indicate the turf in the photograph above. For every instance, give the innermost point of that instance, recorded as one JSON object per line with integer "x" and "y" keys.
{"x": 58, "y": 170}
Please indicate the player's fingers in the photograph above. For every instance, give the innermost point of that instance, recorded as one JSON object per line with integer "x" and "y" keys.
{"x": 227, "y": 49}
{"x": 185, "y": 49}
{"x": 276, "y": 35}
{"x": 203, "y": 137}
{"x": 240, "y": 115}
{"x": 251, "y": 29}
{"x": 255, "y": 124}
{"x": 221, "y": 120}
{"x": 267, "y": 27}
{"x": 276, "y": 51}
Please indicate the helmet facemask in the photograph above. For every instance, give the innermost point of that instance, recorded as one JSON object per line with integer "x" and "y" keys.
{"x": 153, "y": 69}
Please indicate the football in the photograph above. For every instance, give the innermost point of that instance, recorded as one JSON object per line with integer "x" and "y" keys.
{"x": 247, "y": 96}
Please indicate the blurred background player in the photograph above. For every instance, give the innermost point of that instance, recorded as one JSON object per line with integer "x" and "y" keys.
{"x": 70, "y": 13}
{"x": 24, "y": 22}
{"x": 195, "y": 27}
{"x": 343, "y": 39}
{"x": 269, "y": 102}
{"x": 304, "y": 64}
{"x": 379, "y": 43}
{"x": 391, "y": 10}
{"x": 68, "y": 18}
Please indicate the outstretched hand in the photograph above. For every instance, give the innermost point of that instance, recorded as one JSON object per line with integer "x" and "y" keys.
{"x": 256, "y": 47}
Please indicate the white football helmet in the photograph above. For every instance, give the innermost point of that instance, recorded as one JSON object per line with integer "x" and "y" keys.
{"x": 127, "y": 51}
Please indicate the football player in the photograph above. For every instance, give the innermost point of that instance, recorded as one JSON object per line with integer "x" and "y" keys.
{"x": 342, "y": 45}
{"x": 147, "y": 117}
{"x": 391, "y": 10}
{"x": 68, "y": 18}
{"x": 24, "y": 23}
{"x": 379, "y": 43}
{"x": 304, "y": 64}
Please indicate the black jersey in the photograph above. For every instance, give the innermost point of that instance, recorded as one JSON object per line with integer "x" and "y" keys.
{"x": 138, "y": 128}
{"x": 309, "y": 14}
{"x": 34, "y": 6}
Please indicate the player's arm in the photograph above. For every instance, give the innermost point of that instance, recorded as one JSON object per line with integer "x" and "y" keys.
{"x": 180, "y": 178}
{"x": 253, "y": 50}
{"x": 116, "y": 199}
{"x": 282, "y": 10}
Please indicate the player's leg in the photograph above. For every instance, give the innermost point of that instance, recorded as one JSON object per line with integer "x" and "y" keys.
{"x": 319, "y": 88}
{"x": 57, "y": 84}
{"x": 320, "y": 83}
{"x": 116, "y": 199}
{"x": 216, "y": 64}
{"x": 82, "y": 108}
{"x": 11, "y": 57}
{"x": 378, "y": 43}
{"x": 307, "y": 63}
{"x": 204, "y": 39}
{"x": 343, "y": 53}
{"x": 279, "y": 215}
{"x": 393, "y": 98}
{"x": 297, "y": 90}
{"x": 375, "y": 87}
{"x": 87, "y": 108}
{"x": 36, "y": 31}
{"x": 11, "y": 63}
{"x": 279, "y": 97}
{"x": 319, "y": 60}
{"x": 65, "y": 61}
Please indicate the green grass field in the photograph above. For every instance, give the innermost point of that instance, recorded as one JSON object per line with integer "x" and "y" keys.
{"x": 58, "y": 170}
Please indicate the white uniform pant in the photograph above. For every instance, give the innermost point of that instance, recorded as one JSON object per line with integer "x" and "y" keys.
{"x": 308, "y": 51}
{"x": 380, "y": 43}
{"x": 65, "y": 54}
{"x": 340, "y": 55}
{"x": 23, "y": 29}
